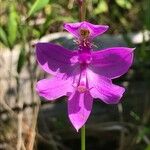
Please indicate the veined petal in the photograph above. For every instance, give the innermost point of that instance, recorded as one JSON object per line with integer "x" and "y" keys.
{"x": 54, "y": 87}
{"x": 73, "y": 28}
{"x": 53, "y": 58}
{"x": 95, "y": 30}
{"x": 104, "y": 89}
{"x": 112, "y": 62}
{"x": 79, "y": 108}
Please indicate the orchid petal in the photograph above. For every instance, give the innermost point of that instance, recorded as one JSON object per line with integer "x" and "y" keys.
{"x": 95, "y": 30}
{"x": 73, "y": 28}
{"x": 53, "y": 58}
{"x": 112, "y": 62}
{"x": 79, "y": 108}
{"x": 102, "y": 88}
{"x": 54, "y": 87}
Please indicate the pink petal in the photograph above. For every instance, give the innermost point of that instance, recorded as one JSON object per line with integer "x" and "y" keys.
{"x": 73, "y": 28}
{"x": 53, "y": 58}
{"x": 95, "y": 30}
{"x": 104, "y": 89}
{"x": 79, "y": 108}
{"x": 112, "y": 62}
{"x": 54, "y": 87}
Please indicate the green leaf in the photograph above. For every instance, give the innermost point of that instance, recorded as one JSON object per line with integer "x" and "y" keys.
{"x": 12, "y": 26}
{"x": 133, "y": 114}
{"x": 49, "y": 21}
{"x": 148, "y": 147}
{"x": 38, "y": 5}
{"x": 21, "y": 60}
{"x": 142, "y": 133}
{"x": 126, "y": 4}
{"x": 147, "y": 12}
{"x": 101, "y": 8}
{"x": 3, "y": 37}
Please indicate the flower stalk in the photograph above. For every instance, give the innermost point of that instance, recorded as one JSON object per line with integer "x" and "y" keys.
{"x": 83, "y": 10}
{"x": 82, "y": 15}
{"x": 83, "y": 138}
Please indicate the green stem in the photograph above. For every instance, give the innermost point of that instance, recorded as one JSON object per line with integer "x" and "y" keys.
{"x": 83, "y": 10}
{"x": 82, "y": 18}
{"x": 83, "y": 138}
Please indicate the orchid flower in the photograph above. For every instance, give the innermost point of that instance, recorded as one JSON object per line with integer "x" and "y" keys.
{"x": 83, "y": 74}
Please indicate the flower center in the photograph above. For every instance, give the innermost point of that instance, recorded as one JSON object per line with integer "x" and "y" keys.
{"x": 81, "y": 88}
{"x": 84, "y": 38}
{"x": 84, "y": 33}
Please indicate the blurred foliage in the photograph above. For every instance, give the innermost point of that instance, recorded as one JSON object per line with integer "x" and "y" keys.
{"x": 148, "y": 147}
{"x": 3, "y": 37}
{"x": 38, "y": 5}
{"x": 12, "y": 25}
{"x": 47, "y": 16}
{"x": 126, "y": 4}
{"x": 102, "y": 7}
{"x": 21, "y": 60}
{"x": 146, "y": 9}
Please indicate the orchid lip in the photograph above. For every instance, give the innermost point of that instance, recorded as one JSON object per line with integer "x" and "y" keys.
{"x": 85, "y": 30}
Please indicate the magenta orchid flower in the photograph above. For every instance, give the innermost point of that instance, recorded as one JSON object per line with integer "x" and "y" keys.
{"x": 82, "y": 75}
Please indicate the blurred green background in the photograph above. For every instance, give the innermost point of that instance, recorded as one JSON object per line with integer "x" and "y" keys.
{"x": 25, "y": 22}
